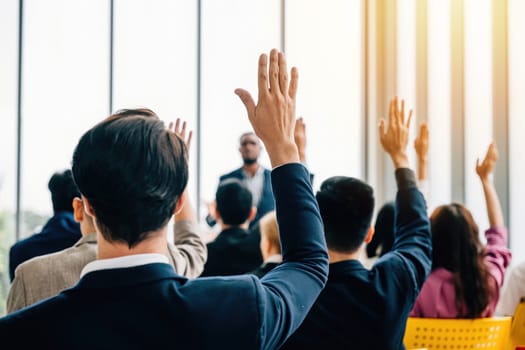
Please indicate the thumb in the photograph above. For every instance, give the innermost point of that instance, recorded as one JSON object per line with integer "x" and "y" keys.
{"x": 247, "y": 100}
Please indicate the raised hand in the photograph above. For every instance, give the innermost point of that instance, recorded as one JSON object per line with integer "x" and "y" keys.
{"x": 487, "y": 166}
{"x": 273, "y": 117}
{"x": 421, "y": 142}
{"x": 421, "y": 147}
{"x": 395, "y": 138}
{"x": 300, "y": 138}
{"x": 181, "y": 132}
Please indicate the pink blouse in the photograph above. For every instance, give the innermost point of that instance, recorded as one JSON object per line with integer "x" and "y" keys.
{"x": 437, "y": 298}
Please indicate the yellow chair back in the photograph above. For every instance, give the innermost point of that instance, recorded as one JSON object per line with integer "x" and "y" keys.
{"x": 442, "y": 333}
{"x": 517, "y": 330}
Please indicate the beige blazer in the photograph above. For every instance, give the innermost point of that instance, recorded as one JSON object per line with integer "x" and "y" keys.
{"x": 47, "y": 275}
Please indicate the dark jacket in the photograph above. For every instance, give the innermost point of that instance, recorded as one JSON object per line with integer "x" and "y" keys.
{"x": 229, "y": 254}
{"x": 60, "y": 232}
{"x": 368, "y": 309}
{"x": 151, "y": 307}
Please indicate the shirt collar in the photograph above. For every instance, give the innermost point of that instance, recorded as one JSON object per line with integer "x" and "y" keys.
{"x": 123, "y": 262}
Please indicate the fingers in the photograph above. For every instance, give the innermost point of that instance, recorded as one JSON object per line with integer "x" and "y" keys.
{"x": 402, "y": 113}
{"x": 409, "y": 118}
{"x": 292, "y": 91}
{"x": 274, "y": 72}
{"x": 188, "y": 141}
{"x": 262, "y": 77}
{"x": 381, "y": 130}
{"x": 177, "y": 125}
{"x": 248, "y": 102}
{"x": 170, "y": 126}
{"x": 283, "y": 74}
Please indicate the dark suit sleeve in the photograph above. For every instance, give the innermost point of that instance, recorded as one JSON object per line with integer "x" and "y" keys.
{"x": 289, "y": 290}
{"x": 412, "y": 230}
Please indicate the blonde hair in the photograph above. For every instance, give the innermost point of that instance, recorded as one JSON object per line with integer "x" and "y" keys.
{"x": 270, "y": 230}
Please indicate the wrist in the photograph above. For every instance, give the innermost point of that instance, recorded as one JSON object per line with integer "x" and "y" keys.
{"x": 400, "y": 160}
{"x": 283, "y": 153}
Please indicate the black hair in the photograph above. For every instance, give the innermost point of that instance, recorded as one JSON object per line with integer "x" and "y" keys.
{"x": 63, "y": 191}
{"x": 132, "y": 170}
{"x": 346, "y": 206}
{"x": 457, "y": 248}
{"x": 383, "y": 231}
{"x": 234, "y": 202}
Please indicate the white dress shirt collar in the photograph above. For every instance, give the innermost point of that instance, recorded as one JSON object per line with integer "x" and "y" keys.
{"x": 123, "y": 262}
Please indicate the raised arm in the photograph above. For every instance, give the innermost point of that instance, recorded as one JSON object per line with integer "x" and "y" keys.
{"x": 421, "y": 147}
{"x": 287, "y": 292}
{"x": 300, "y": 138}
{"x": 484, "y": 171}
{"x": 188, "y": 251}
{"x": 412, "y": 239}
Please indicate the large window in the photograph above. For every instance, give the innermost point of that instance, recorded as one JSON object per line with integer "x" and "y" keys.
{"x": 8, "y": 131}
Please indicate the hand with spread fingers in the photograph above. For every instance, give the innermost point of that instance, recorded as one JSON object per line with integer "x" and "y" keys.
{"x": 181, "y": 132}
{"x": 273, "y": 117}
{"x": 394, "y": 138}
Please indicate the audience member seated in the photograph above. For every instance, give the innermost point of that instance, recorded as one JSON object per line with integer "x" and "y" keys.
{"x": 383, "y": 238}
{"x": 384, "y": 226}
{"x": 47, "y": 275}
{"x": 466, "y": 277}
{"x": 270, "y": 244}
{"x": 227, "y": 254}
{"x": 361, "y": 308}
{"x": 512, "y": 292}
{"x": 60, "y": 232}
{"x": 131, "y": 173}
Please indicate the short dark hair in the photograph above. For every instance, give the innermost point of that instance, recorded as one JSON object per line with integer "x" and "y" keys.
{"x": 63, "y": 191}
{"x": 346, "y": 206}
{"x": 132, "y": 170}
{"x": 234, "y": 202}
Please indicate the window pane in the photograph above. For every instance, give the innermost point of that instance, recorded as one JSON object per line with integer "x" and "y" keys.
{"x": 517, "y": 128}
{"x": 234, "y": 34}
{"x": 8, "y": 101}
{"x": 478, "y": 100}
{"x": 439, "y": 118}
{"x": 65, "y": 80}
{"x": 325, "y": 43}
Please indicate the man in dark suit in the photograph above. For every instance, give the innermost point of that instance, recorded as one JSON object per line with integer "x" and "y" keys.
{"x": 360, "y": 308}
{"x": 131, "y": 172}
{"x": 253, "y": 175}
{"x": 60, "y": 232}
{"x": 228, "y": 254}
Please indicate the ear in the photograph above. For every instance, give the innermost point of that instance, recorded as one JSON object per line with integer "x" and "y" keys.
{"x": 87, "y": 207}
{"x": 370, "y": 234}
{"x": 253, "y": 213}
{"x": 180, "y": 203}
{"x": 78, "y": 209}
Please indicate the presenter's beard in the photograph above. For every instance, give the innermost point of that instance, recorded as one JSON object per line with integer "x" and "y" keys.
{"x": 249, "y": 161}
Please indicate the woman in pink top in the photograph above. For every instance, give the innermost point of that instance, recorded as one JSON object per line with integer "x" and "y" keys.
{"x": 466, "y": 277}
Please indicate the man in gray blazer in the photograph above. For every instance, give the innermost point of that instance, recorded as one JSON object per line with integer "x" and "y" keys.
{"x": 47, "y": 275}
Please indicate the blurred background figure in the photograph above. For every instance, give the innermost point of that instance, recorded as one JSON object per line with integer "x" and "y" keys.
{"x": 270, "y": 244}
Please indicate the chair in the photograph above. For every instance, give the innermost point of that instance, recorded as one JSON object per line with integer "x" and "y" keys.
{"x": 517, "y": 329}
{"x": 442, "y": 333}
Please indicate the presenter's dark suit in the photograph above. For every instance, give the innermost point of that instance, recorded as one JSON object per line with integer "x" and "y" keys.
{"x": 368, "y": 309}
{"x": 150, "y": 306}
{"x": 267, "y": 202}
{"x": 59, "y": 232}
{"x": 229, "y": 255}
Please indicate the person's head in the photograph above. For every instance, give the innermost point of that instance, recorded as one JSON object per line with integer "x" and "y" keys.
{"x": 346, "y": 206}
{"x": 131, "y": 171}
{"x": 250, "y": 148}
{"x": 234, "y": 203}
{"x": 270, "y": 243}
{"x": 63, "y": 190}
{"x": 383, "y": 232}
{"x": 86, "y": 222}
{"x": 456, "y": 247}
